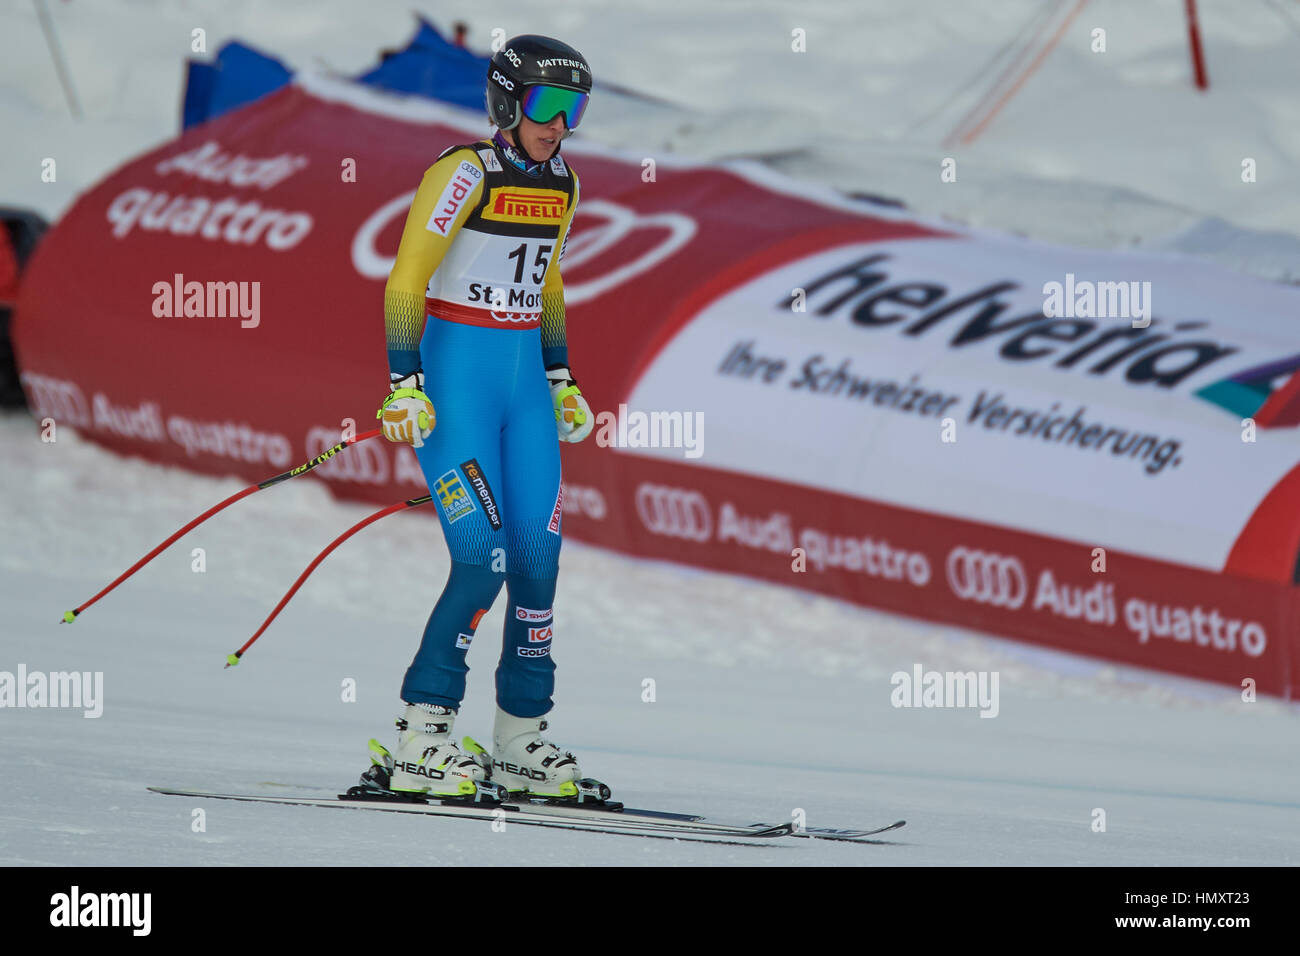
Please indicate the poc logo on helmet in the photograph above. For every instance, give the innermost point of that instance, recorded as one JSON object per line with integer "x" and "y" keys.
{"x": 507, "y": 83}
{"x": 513, "y": 57}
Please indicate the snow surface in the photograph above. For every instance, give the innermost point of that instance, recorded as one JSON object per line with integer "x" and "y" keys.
{"x": 767, "y": 699}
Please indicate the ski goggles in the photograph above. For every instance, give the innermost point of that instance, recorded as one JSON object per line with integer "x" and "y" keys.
{"x": 541, "y": 104}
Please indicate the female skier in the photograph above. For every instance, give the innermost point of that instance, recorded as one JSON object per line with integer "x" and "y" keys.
{"x": 480, "y": 257}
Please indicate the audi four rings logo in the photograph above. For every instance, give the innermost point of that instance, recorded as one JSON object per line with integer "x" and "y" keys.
{"x": 674, "y": 512}
{"x": 57, "y": 398}
{"x": 986, "y": 577}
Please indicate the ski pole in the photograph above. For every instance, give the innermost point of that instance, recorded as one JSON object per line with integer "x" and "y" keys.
{"x": 70, "y": 616}
{"x": 233, "y": 659}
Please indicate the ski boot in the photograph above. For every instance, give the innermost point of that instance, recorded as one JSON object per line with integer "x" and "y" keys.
{"x": 427, "y": 763}
{"x": 530, "y": 767}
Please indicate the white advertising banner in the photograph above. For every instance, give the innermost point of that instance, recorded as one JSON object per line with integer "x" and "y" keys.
{"x": 1079, "y": 394}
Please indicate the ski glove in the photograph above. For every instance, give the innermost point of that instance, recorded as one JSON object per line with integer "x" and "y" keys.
{"x": 407, "y": 412}
{"x": 573, "y": 418}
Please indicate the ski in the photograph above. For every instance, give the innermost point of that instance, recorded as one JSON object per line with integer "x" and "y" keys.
{"x": 696, "y": 820}
{"x": 594, "y": 799}
{"x": 846, "y": 836}
{"x": 601, "y": 821}
{"x": 603, "y": 810}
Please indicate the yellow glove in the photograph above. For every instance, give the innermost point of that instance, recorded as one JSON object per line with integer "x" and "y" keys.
{"x": 407, "y": 413}
{"x": 573, "y": 418}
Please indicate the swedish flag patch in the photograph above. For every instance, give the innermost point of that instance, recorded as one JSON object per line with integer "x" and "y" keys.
{"x": 456, "y": 502}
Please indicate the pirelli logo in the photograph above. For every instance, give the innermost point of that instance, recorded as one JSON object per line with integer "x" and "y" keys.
{"x": 519, "y": 204}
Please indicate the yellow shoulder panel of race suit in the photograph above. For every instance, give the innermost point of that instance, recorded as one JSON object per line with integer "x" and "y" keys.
{"x": 552, "y": 282}
{"x": 450, "y": 189}
{"x": 553, "y": 331}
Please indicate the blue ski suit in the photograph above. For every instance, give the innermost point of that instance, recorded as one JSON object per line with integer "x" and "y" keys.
{"x": 476, "y": 300}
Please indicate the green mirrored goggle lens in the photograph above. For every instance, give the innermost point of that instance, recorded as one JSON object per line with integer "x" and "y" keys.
{"x": 541, "y": 104}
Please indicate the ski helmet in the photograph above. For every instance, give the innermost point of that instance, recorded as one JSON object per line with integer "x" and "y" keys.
{"x": 537, "y": 77}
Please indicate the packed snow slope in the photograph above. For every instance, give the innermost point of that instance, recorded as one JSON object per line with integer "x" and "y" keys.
{"x": 765, "y": 701}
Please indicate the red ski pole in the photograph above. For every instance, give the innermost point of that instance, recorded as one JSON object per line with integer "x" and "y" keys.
{"x": 70, "y": 616}
{"x": 233, "y": 659}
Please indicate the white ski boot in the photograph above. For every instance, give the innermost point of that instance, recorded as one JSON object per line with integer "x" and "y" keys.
{"x": 527, "y": 764}
{"x": 427, "y": 761}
